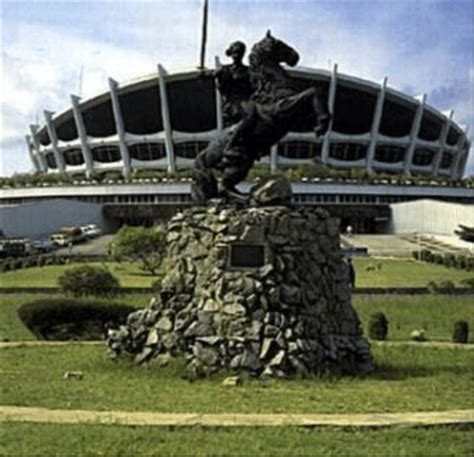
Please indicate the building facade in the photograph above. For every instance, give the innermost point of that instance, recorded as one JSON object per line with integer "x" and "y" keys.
{"x": 162, "y": 121}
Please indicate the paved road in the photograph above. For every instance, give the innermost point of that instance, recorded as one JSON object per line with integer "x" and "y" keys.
{"x": 145, "y": 418}
{"x": 96, "y": 246}
{"x": 398, "y": 246}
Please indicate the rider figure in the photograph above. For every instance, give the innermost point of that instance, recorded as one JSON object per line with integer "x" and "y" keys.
{"x": 233, "y": 82}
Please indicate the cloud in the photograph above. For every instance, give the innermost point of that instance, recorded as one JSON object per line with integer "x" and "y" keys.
{"x": 44, "y": 50}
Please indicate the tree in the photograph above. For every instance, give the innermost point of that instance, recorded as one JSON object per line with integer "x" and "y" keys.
{"x": 140, "y": 244}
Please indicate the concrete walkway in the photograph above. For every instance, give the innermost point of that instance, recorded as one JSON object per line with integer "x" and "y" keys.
{"x": 38, "y": 343}
{"x": 41, "y": 343}
{"x": 63, "y": 416}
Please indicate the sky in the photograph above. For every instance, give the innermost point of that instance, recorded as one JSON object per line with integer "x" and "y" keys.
{"x": 423, "y": 46}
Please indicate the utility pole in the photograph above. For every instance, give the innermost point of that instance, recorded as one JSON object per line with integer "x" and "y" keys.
{"x": 204, "y": 35}
{"x": 81, "y": 71}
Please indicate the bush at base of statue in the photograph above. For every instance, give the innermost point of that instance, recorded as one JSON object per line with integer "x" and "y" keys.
{"x": 62, "y": 319}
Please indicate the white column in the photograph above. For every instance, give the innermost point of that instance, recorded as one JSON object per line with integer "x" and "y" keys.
{"x": 48, "y": 115}
{"x": 442, "y": 143}
{"x": 119, "y": 127}
{"x": 415, "y": 129}
{"x": 165, "y": 114}
{"x": 331, "y": 102}
{"x": 462, "y": 148}
{"x": 37, "y": 147}
{"x": 374, "y": 133}
{"x": 81, "y": 130}
{"x": 462, "y": 163}
{"x": 219, "y": 113}
{"x": 274, "y": 158}
{"x": 31, "y": 151}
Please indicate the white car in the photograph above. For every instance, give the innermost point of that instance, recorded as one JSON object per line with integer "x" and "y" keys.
{"x": 91, "y": 230}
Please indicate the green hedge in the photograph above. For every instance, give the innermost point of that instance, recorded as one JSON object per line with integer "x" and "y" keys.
{"x": 458, "y": 261}
{"x": 65, "y": 318}
{"x": 301, "y": 172}
{"x": 10, "y": 264}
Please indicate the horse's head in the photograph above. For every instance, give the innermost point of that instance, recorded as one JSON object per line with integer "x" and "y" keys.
{"x": 274, "y": 50}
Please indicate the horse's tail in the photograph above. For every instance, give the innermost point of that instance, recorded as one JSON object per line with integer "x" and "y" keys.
{"x": 204, "y": 186}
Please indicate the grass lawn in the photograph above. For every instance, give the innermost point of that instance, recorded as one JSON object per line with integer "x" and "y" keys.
{"x": 96, "y": 440}
{"x": 435, "y": 313}
{"x": 395, "y": 272}
{"x": 408, "y": 378}
{"x": 392, "y": 273}
{"x": 128, "y": 273}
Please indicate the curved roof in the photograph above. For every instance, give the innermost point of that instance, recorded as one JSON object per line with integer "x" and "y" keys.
{"x": 192, "y": 107}
{"x": 379, "y": 126}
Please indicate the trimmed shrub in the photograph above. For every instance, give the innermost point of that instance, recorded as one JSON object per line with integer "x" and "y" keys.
{"x": 16, "y": 264}
{"x": 447, "y": 287}
{"x": 41, "y": 261}
{"x": 470, "y": 264}
{"x": 87, "y": 280}
{"x": 461, "y": 332}
{"x": 5, "y": 266}
{"x": 66, "y": 318}
{"x": 438, "y": 259}
{"x": 468, "y": 282}
{"x": 29, "y": 262}
{"x": 378, "y": 327}
{"x": 426, "y": 255}
{"x": 449, "y": 260}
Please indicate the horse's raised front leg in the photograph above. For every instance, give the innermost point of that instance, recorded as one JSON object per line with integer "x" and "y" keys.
{"x": 323, "y": 117}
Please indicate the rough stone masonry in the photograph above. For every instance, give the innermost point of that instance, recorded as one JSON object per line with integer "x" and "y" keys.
{"x": 261, "y": 289}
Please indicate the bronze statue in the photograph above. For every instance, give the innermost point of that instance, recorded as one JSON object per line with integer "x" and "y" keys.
{"x": 233, "y": 82}
{"x": 267, "y": 105}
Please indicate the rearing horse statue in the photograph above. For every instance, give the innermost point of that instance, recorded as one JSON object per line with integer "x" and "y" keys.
{"x": 274, "y": 107}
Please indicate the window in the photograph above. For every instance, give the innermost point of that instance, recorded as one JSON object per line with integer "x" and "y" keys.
{"x": 299, "y": 150}
{"x": 189, "y": 150}
{"x": 389, "y": 154}
{"x": 147, "y": 151}
{"x": 73, "y": 157}
{"x": 106, "y": 154}
{"x": 347, "y": 151}
{"x": 423, "y": 157}
{"x": 51, "y": 160}
{"x": 446, "y": 160}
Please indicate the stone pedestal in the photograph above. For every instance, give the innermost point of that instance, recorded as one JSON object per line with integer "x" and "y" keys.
{"x": 265, "y": 290}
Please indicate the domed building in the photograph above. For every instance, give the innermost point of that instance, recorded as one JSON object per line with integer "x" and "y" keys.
{"x": 162, "y": 121}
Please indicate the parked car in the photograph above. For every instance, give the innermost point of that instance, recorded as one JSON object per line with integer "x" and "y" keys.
{"x": 42, "y": 246}
{"x": 91, "y": 230}
{"x": 67, "y": 235}
{"x": 14, "y": 247}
